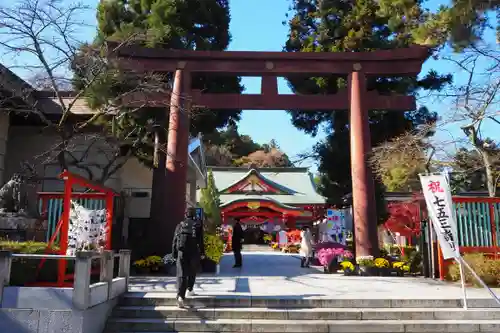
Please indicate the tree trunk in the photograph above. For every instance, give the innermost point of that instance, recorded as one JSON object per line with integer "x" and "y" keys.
{"x": 490, "y": 176}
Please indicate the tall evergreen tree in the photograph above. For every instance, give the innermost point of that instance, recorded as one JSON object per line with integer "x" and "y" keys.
{"x": 177, "y": 24}
{"x": 171, "y": 24}
{"x": 461, "y": 23}
{"x": 210, "y": 202}
{"x": 349, "y": 26}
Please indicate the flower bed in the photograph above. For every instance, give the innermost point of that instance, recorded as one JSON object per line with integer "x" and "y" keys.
{"x": 334, "y": 257}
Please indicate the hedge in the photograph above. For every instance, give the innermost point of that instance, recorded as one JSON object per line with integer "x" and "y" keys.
{"x": 24, "y": 271}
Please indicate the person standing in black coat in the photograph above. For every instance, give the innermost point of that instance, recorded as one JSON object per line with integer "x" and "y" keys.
{"x": 237, "y": 243}
{"x": 188, "y": 249}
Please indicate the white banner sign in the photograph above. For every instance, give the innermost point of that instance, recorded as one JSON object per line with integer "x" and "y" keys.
{"x": 437, "y": 195}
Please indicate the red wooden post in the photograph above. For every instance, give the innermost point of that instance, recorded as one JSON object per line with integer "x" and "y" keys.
{"x": 292, "y": 223}
{"x": 363, "y": 195}
{"x": 63, "y": 244}
{"x": 493, "y": 224}
{"x": 441, "y": 263}
{"x": 177, "y": 162}
{"x": 109, "y": 219}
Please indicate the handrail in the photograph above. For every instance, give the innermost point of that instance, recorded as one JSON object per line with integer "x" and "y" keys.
{"x": 54, "y": 256}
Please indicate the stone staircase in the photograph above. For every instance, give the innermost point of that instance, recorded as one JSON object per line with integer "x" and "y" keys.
{"x": 156, "y": 312}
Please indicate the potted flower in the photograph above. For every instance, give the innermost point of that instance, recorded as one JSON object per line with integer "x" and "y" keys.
{"x": 214, "y": 250}
{"x": 267, "y": 238}
{"x": 347, "y": 267}
{"x": 149, "y": 265}
{"x": 140, "y": 266}
{"x": 382, "y": 266}
{"x": 365, "y": 266}
{"x": 401, "y": 267}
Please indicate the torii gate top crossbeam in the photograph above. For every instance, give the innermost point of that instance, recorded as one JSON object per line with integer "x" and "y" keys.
{"x": 404, "y": 61}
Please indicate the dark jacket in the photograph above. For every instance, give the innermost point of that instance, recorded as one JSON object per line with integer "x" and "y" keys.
{"x": 188, "y": 261}
{"x": 237, "y": 238}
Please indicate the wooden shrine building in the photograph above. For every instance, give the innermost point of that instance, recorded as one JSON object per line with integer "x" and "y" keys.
{"x": 284, "y": 197}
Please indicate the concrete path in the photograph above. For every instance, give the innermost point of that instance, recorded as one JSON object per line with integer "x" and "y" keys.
{"x": 280, "y": 275}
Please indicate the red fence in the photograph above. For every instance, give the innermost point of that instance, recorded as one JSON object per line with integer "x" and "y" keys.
{"x": 478, "y": 222}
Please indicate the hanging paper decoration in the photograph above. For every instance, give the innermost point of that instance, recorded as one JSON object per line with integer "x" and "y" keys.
{"x": 87, "y": 229}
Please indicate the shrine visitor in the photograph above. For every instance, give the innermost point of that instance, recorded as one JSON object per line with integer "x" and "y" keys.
{"x": 306, "y": 247}
{"x": 237, "y": 243}
{"x": 187, "y": 248}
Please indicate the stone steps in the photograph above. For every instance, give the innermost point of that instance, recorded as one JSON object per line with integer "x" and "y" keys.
{"x": 225, "y": 301}
{"x": 156, "y": 312}
{"x": 275, "y": 326}
{"x": 174, "y": 313}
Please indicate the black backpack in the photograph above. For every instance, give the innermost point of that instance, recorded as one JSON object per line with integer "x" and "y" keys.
{"x": 187, "y": 239}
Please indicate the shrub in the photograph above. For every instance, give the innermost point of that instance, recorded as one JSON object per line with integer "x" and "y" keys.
{"x": 365, "y": 261}
{"x": 291, "y": 248}
{"x": 488, "y": 270}
{"x": 25, "y": 271}
{"x": 29, "y": 247}
{"x": 214, "y": 247}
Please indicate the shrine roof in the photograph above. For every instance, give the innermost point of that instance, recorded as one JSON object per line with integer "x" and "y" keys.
{"x": 289, "y": 186}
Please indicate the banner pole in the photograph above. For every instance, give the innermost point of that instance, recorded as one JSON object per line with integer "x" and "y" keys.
{"x": 485, "y": 286}
{"x": 462, "y": 280}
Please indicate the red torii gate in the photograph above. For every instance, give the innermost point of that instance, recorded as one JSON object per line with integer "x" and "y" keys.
{"x": 270, "y": 66}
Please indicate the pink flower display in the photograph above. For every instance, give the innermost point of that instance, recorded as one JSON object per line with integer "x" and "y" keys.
{"x": 327, "y": 255}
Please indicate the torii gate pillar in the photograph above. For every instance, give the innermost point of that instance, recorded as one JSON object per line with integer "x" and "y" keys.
{"x": 363, "y": 189}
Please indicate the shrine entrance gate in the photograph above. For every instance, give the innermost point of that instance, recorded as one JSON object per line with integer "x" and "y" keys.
{"x": 269, "y": 66}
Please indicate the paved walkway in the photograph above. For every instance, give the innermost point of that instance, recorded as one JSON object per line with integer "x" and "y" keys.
{"x": 280, "y": 275}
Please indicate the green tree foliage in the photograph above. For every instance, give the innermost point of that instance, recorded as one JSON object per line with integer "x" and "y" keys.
{"x": 228, "y": 147}
{"x": 169, "y": 24}
{"x": 469, "y": 174}
{"x": 175, "y": 24}
{"x": 339, "y": 26}
{"x": 210, "y": 202}
{"x": 461, "y": 22}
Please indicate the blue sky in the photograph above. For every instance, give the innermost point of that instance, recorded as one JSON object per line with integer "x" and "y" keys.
{"x": 256, "y": 25}
{"x": 269, "y": 34}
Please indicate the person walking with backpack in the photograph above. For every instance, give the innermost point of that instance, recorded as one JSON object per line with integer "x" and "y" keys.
{"x": 188, "y": 249}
